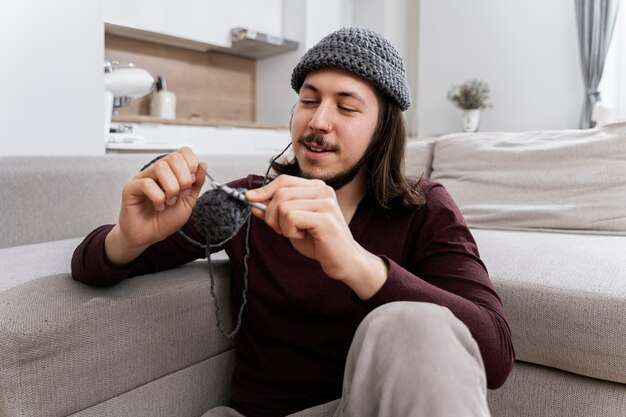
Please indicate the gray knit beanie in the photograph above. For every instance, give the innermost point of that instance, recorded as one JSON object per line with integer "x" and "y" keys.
{"x": 362, "y": 52}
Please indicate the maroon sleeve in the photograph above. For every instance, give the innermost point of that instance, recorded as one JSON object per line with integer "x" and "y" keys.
{"x": 89, "y": 263}
{"x": 445, "y": 269}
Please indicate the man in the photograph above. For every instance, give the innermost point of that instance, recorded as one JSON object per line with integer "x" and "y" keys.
{"x": 378, "y": 303}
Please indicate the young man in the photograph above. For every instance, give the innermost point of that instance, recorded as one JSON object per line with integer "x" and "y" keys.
{"x": 378, "y": 304}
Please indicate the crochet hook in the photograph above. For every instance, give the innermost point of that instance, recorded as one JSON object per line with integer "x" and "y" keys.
{"x": 233, "y": 193}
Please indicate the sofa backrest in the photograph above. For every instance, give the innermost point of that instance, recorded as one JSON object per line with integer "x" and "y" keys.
{"x": 564, "y": 180}
{"x": 419, "y": 158}
{"x": 559, "y": 180}
{"x": 46, "y": 198}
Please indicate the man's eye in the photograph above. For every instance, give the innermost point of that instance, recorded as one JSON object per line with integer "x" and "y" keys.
{"x": 348, "y": 109}
{"x": 307, "y": 101}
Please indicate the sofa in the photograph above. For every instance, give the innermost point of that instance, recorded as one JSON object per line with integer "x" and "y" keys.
{"x": 547, "y": 209}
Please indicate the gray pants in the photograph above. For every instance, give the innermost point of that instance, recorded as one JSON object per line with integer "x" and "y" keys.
{"x": 406, "y": 359}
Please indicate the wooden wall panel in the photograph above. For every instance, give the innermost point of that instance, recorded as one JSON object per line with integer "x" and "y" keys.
{"x": 209, "y": 84}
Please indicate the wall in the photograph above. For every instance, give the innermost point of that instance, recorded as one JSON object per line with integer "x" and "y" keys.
{"x": 305, "y": 21}
{"x": 396, "y": 21}
{"x": 527, "y": 51}
{"x": 208, "y": 84}
{"x": 52, "y": 77}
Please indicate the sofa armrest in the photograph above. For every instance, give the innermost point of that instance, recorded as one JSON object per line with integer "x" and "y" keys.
{"x": 68, "y": 347}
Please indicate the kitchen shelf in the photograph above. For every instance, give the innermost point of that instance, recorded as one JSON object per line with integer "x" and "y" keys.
{"x": 252, "y": 44}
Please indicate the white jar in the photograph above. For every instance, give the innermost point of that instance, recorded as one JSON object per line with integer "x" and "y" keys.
{"x": 163, "y": 105}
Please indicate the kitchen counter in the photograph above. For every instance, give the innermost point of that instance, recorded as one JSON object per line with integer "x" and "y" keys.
{"x": 123, "y": 118}
{"x": 151, "y": 134}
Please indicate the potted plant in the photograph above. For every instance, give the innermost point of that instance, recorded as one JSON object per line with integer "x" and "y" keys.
{"x": 471, "y": 97}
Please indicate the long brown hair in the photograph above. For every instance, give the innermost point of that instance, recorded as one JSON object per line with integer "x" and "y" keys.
{"x": 384, "y": 160}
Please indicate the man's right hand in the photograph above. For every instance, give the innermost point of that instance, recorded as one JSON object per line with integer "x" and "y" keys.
{"x": 155, "y": 203}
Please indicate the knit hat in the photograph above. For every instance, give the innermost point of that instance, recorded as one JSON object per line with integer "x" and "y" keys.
{"x": 362, "y": 52}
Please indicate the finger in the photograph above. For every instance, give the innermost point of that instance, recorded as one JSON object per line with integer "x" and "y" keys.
{"x": 181, "y": 170}
{"x": 291, "y": 213}
{"x": 138, "y": 190}
{"x": 257, "y": 212}
{"x": 289, "y": 224}
{"x": 308, "y": 192}
{"x": 292, "y": 188}
{"x": 190, "y": 157}
{"x": 184, "y": 164}
{"x": 267, "y": 192}
{"x": 168, "y": 181}
{"x": 199, "y": 178}
{"x": 310, "y": 197}
{"x": 194, "y": 165}
{"x": 300, "y": 223}
{"x": 315, "y": 205}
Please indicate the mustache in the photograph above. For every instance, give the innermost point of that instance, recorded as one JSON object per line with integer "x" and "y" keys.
{"x": 317, "y": 140}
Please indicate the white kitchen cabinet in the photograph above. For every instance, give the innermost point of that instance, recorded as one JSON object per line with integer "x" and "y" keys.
{"x": 150, "y": 137}
{"x": 263, "y": 16}
{"x": 146, "y": 15}
{"x": 236, "y": 140}
{"x": 204, "y": 21}
{"x": 164, "y": 134}
{"x": 208, "y": 21}
{"x": 213, "y": 140}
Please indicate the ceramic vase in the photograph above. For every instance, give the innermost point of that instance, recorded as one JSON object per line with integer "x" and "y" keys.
{"x": 471, "y": 120}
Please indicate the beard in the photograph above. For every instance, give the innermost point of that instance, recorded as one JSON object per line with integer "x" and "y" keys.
{"x": 335, "y": 181}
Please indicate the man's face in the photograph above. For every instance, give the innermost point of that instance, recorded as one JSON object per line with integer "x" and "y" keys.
{"x": 332, "y": 125}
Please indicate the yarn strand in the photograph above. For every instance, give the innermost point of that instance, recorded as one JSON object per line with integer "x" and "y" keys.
{"x": 208, "y": 246}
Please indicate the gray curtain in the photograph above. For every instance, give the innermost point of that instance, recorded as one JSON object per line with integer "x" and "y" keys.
{"x": 596, "y": 20}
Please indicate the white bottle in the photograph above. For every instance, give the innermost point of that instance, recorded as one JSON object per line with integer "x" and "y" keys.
{"x": 163, "y": 102}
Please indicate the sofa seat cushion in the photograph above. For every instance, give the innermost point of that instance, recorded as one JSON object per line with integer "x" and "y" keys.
{"x": 539, "y": 391}
{"x": 67, "y": 346}
{"x": 566, "y": 180}
{"x": 564, "y": 296}
{"x": 188, "y": 392}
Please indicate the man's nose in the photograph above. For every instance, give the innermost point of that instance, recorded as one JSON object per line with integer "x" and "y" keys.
{"x": 320, "y": 121}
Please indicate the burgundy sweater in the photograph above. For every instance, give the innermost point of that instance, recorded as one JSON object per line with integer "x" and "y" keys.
{"x": 298, "y": 323}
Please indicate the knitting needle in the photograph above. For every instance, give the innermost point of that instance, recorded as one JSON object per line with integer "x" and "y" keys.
{"x": 233, "y": 193}
{"x": 238, "y": 195}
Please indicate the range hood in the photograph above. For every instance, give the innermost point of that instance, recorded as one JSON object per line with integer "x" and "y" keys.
{"x": 252, "y": 44}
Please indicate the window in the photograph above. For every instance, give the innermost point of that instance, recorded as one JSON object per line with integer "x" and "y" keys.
{"x": 613, "y": 83}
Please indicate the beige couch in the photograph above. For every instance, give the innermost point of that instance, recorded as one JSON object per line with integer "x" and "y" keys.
{"x": 548, "y": 210}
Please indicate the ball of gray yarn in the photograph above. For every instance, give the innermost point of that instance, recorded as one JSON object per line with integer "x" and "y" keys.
{"x": 217, "y": 216}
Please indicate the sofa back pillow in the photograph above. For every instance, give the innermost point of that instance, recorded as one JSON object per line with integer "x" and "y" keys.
{"x": 419, "y": 158}
{"x": 559, "y": 180}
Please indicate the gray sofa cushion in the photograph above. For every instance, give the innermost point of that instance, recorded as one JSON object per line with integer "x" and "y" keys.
{"x": 185, "y": 393}
{"x": 566, "y": 180}
{"x": 22, "y": 264}
{"x": 67, "y": 346}
{"x": 563, "y": 295}
{"x": 540, "y": 391}
{"x": 419, "y": 157}
{"x": 81, "y": 193}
